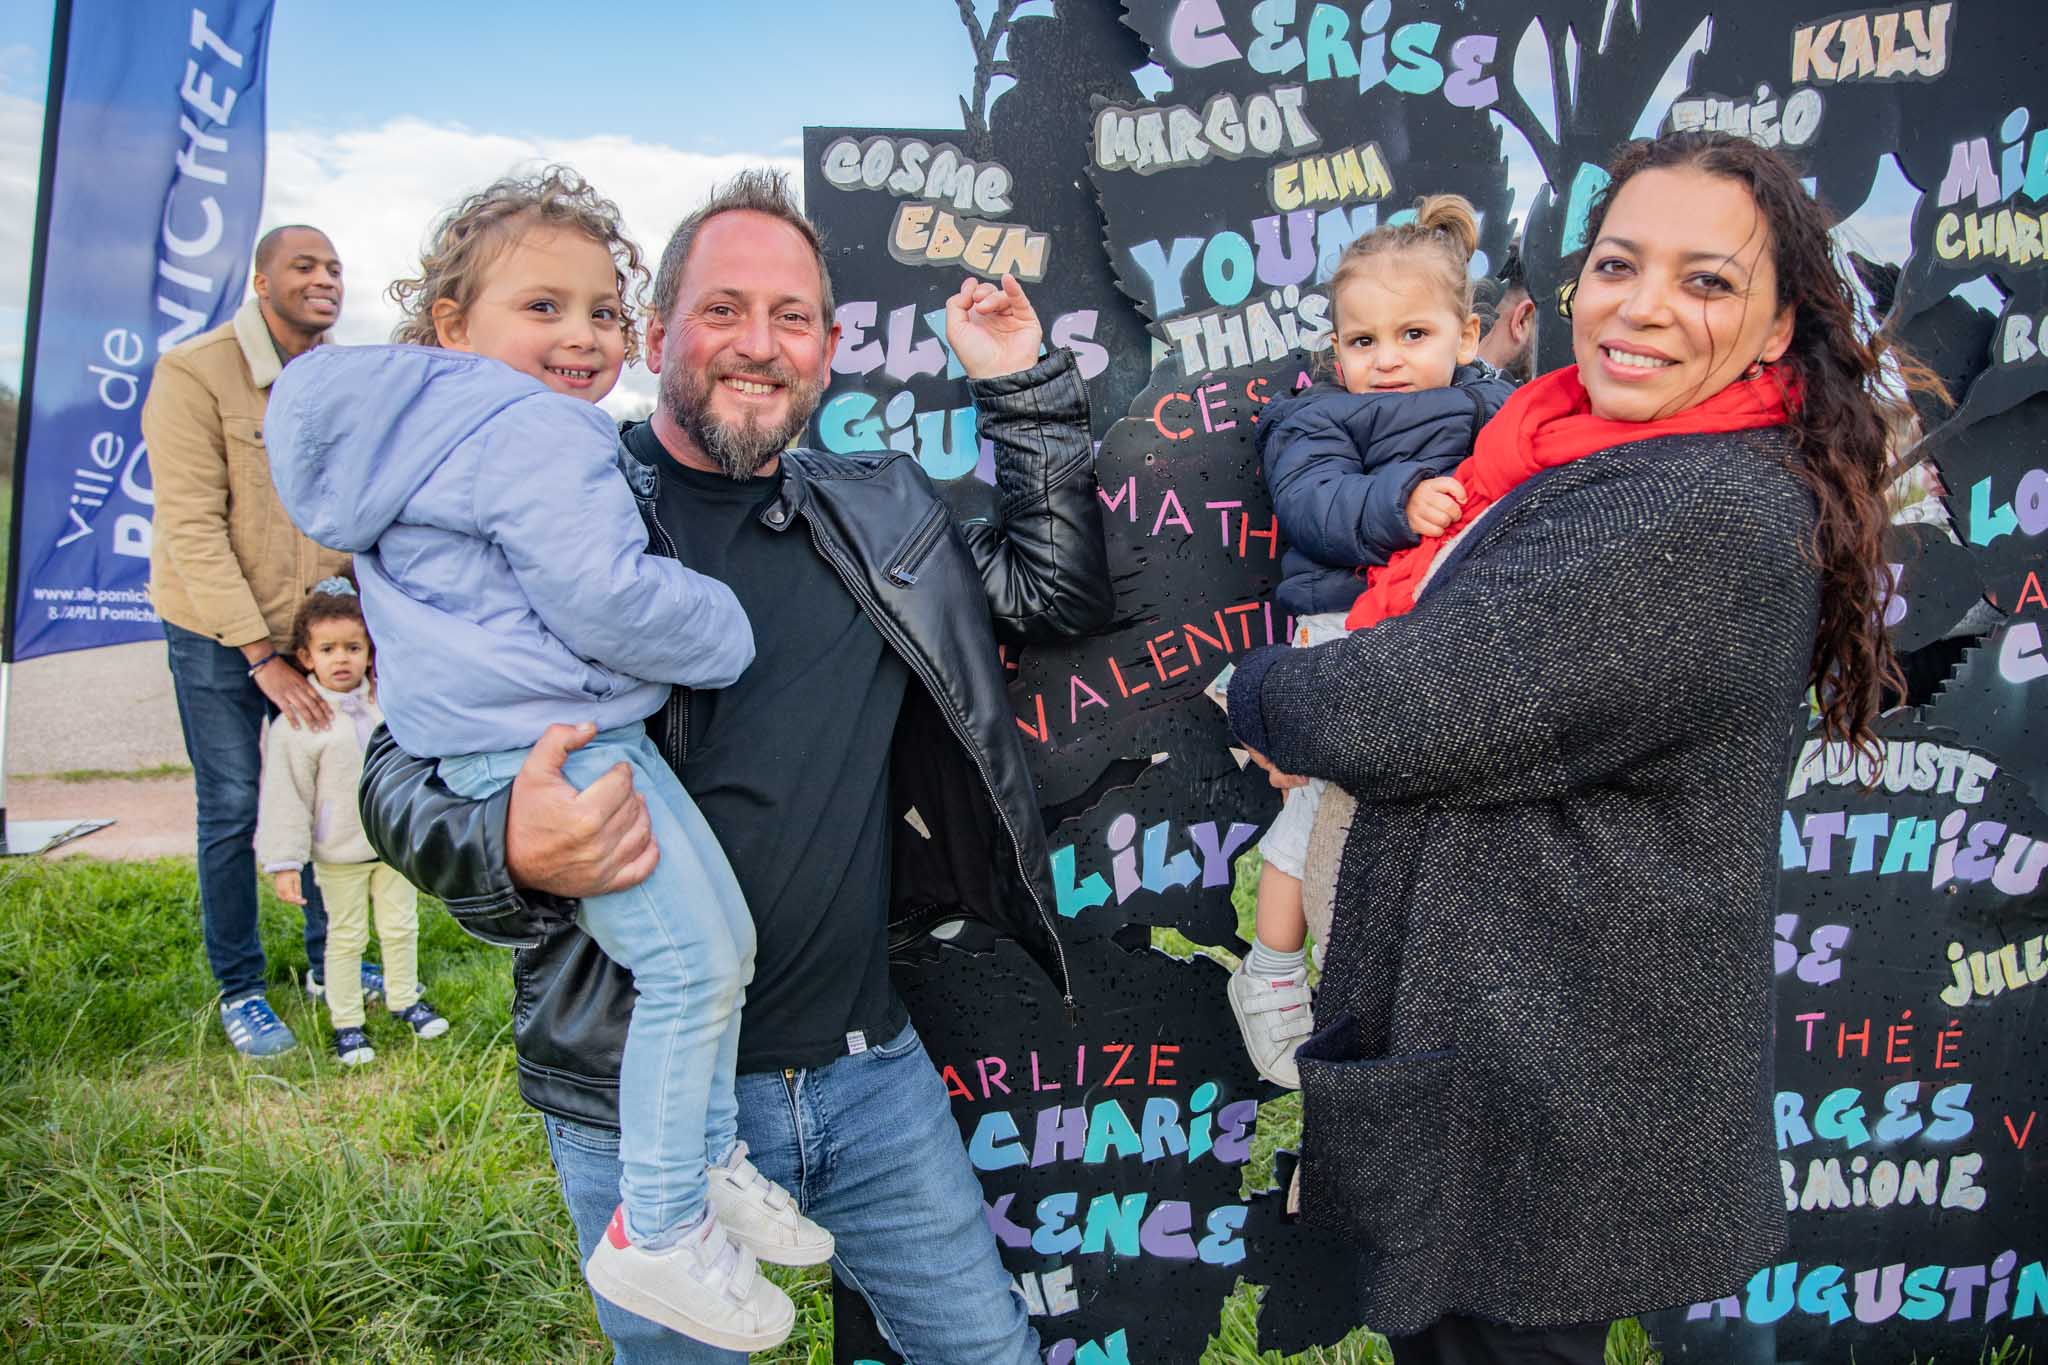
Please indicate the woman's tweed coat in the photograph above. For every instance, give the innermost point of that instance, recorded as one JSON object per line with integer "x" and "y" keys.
{"x": 1540, "y": 1092}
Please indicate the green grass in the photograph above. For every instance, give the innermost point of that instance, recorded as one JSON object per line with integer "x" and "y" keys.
{"x": 166, "y": 1202}
{"x": 2007, "y": 1352}
{"x": 149, "y": 774}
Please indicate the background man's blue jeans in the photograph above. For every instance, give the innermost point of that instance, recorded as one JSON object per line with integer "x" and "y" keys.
{"x": 869, "y": 1148}
{"x": 222, "y": 714}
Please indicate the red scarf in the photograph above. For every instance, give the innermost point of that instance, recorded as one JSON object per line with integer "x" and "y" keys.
{"x": 1546, "y": 423}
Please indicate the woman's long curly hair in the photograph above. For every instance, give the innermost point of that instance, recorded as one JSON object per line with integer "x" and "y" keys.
{"x": 469, "y": 237}
{"x": 1851, "y": 381}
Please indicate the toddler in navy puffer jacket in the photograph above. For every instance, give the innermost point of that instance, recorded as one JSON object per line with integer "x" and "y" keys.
{"x": 1356, "y": 474}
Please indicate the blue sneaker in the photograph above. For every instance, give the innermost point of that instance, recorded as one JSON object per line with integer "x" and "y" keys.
{"x": 422, "y": 1019}
{"x": 254, "y": 1028}
{"x": 352, "y": 1047}
{"x": 373, "y": 984}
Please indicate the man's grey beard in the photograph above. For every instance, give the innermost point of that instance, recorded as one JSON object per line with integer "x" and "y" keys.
{"x": 738, "y": 450}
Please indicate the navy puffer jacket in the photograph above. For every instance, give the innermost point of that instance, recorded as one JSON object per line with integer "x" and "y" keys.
{"x": 1340, "y": 467}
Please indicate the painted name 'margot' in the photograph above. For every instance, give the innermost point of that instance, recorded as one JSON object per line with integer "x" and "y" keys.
{"x": 1172, "y": 137}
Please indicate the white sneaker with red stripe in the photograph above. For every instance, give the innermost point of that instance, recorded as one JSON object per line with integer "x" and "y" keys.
{"x": 706, "y": 1286}
{"x": 1273, "y": 1015}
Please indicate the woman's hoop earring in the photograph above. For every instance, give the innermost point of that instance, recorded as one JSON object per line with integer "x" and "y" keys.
{"x": 1755, "y": 370}
{"x": 1565, "y": 294}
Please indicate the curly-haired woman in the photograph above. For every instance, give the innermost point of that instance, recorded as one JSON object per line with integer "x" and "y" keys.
{"x": 1541, "y": 1097}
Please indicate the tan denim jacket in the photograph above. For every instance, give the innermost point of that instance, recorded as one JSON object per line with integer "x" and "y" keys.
{"x": 224, "y": 560}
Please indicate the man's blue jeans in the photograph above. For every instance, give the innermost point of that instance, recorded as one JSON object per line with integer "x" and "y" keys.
{"x": 222, "y": 714}
{"x": 869, "y": 1148}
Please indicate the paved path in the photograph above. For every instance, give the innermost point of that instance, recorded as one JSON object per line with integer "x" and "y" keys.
{"x": 153, "y": 818}
{"x": 107, "y": 710}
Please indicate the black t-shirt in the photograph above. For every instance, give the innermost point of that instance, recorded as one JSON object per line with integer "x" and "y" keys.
{"x": 790, "y": 766}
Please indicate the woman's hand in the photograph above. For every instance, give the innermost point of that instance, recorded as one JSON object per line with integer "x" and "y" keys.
{"x": 1281, "y": 781}
{"x": 1435, "y": 505}
{"x": 570, "y": 843}
{"x": 992, "y": 330}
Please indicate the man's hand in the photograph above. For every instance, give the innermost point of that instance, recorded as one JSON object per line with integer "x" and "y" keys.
{"x": 287, "y": 884}
{"x": 1435, "y": 505}
{"x": 570, "y": 843}
{"x": 992, "y": 330}
{"x": 1281, "y": 781}
{"x": 293, "y": 696}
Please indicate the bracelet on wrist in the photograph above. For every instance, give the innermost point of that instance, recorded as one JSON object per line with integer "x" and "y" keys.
{"x": 263, "y": 662}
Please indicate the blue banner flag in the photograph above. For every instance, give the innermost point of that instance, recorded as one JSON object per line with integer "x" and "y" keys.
{"x": 152, "y": 185}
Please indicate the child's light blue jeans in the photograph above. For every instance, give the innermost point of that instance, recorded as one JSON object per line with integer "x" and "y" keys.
{"x": 687, "y": 937}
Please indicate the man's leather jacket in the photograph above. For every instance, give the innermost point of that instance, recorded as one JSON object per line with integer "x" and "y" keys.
{"x": 942, "y": 594}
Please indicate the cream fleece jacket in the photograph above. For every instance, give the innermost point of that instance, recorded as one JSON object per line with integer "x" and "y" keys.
{"x": 307, "y": 811}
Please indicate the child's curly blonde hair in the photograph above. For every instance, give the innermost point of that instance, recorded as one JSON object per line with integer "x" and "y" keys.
{"x": 470, "y": 236}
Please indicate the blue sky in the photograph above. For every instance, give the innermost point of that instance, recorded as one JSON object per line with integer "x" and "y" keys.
{"x": 701, "y": 74}
{"x": 382, "y": 112}
{"x": 695, "y": 73}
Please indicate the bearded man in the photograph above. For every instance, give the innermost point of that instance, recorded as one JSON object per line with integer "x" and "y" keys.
{"x": 1509, "y": 317}
{"x": 866, "y": 776}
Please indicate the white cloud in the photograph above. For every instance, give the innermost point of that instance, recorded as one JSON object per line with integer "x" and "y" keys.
{"x": 376, "y": 191}
{"x": 21, "y": 148}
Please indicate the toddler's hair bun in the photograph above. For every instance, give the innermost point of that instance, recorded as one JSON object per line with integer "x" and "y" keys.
{"x": 1453, "y": 216}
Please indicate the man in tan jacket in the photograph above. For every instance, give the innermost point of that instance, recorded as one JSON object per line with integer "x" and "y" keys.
{"x": 227, "y": 573}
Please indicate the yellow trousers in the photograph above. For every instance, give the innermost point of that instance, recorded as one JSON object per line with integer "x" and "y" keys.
{"x": 350, "y": 889}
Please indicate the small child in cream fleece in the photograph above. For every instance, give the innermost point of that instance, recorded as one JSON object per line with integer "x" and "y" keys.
{"x": 307, "y": 812}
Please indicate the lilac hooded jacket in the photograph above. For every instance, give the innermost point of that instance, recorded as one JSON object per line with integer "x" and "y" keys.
{"x": 503, "y": 562}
